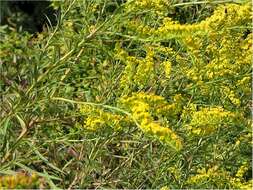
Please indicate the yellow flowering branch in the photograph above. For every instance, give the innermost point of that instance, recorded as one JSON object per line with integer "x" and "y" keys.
{"x": 99, "y": 105}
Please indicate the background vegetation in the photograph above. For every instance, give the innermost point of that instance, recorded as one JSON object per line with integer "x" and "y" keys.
{"x": 128, "y": 94}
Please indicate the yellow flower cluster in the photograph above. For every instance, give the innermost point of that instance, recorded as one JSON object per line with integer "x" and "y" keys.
{"x": 167, "y": 68}
{"x": 207, "y": 175}
{"x": 221, "y": 56}
{"x": 242, "y": 185}
{"x": 244, "y": 85}
{"x": 165, "y": 188}
{"x": 128, "y": 78}
{"x": 19, "y": 180}
{"x": 208, "y": 120}
{"x": 173, "y": 28}
{"x": 215, "y": 66}
{"x": 216, "y": 45}
{"x": 146, "y": 72}
{"x": 218, "y": 178}
{"x": 98, "y": 118}
{"x": 242, "y": 170}
{"x": 176, "y": 172}
{"x": 229, "y": 15}
{"x": 138, "y": 72}
{"x": 144, "y": 108}
{"x": 230, "y": 94}
{"x": 224, "y": 16}
{"x": 157, "y": 5}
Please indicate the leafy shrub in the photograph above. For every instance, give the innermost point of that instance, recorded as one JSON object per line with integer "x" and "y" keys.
{"x": 131, "y": 94}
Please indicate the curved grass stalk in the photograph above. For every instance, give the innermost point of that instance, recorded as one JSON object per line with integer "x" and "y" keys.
{"x": 98, "y": 105}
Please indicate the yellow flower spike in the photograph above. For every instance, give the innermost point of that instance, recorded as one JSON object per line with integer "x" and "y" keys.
{"x": 165, "y": 188}
{"x": 208, "y": 120}
{"x": 214, "y": 174}
{"x": 97, "y": 118}
{"x": 242, "y": 170}
{"x": 167, "y": 68}
{"x": 141, "y": 105}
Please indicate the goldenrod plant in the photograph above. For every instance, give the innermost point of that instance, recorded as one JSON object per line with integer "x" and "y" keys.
{"x": 21, "y": 180}
{"x": 149, "y": 94}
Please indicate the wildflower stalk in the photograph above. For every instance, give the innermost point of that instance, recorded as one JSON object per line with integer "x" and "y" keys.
{"x": 98, "y": 105}
{"x": 204, "y": 2}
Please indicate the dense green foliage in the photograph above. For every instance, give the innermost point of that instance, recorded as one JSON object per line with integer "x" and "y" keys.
{"x": 129, "y": 94}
